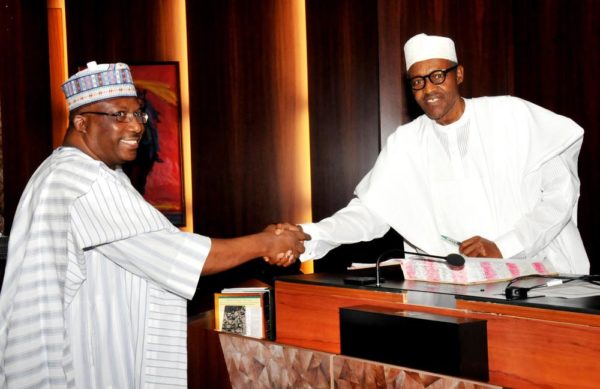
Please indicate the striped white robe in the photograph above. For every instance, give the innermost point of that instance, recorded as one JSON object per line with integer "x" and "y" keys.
{"x": 95, "y": 285}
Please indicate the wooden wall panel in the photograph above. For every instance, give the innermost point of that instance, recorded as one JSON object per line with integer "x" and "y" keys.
{"x": 244, "y": 109}
{"x": 24, "y": 95}
{"x": 556, "y": 66}
{"x": 343, "y": 98}
{"x": 113, "y": 31}
{"x": 393, "y": 93}
{"x": 206, "y": 362}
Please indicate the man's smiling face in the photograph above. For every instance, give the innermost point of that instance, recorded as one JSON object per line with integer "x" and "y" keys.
{"x": 106, "y": 139}
{"x": 441, "y": 102}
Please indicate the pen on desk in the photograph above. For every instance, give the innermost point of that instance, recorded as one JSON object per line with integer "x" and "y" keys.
{"x": 453, "y": 241}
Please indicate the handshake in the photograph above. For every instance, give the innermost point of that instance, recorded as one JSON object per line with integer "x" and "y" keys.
{"x": 286, "y": 243}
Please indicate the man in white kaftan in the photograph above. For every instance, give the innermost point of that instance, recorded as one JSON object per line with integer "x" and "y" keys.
{"x": 95, "y": 288}
{"x": 495, "y": 167}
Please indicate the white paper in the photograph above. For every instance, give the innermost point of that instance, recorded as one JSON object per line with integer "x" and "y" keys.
{"x": 475, "y": 270}
{"x": 251, "y": 289}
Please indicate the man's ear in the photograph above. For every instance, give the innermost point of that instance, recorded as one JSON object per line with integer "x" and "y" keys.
{"x": 460, "y": 74}
{"x": 80, "y": 123}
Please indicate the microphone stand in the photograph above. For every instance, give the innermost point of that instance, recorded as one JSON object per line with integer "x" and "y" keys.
{"x": 384, "y": 254}
{"x": 377, "y": 283}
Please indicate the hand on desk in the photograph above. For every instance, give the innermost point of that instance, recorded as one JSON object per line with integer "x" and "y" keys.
{"x": 289, "y": 245}
{"x": 479, "y": 247}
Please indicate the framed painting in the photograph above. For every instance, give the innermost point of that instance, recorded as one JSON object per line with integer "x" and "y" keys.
{"x": 157, "y": 172}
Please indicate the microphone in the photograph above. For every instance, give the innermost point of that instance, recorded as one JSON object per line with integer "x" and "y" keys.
{"x": 451, "y": 259}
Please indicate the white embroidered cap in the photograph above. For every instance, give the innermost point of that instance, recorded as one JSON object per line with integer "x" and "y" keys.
{"x": 422, "y": 47}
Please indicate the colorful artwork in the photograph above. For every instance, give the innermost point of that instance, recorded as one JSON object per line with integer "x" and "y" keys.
{"x": 157, "y": 172}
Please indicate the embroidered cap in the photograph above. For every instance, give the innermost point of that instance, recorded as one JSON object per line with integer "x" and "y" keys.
{"x": 422, "y": 47}
{"x": 98, "y": 82}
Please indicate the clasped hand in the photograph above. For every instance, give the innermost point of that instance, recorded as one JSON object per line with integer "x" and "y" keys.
{"x": 288, "y": 243}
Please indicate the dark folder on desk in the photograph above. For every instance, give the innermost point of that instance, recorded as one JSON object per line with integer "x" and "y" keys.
{"x": 441, "y": 344}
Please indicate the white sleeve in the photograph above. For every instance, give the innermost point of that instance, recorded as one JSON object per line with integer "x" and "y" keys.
{"x": 172, "y": 260}
{"x": 554, "y": 209}
{"x": 354, "y": 223}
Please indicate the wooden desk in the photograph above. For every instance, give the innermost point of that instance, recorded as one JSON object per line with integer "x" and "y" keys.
{"x": 529, "y": 345}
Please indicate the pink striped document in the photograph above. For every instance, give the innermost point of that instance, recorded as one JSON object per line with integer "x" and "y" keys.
{"x": 474, "y": 271}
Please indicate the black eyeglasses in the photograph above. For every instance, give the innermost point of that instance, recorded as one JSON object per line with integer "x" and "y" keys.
{"x": 436, "y": 77}
{"x": 122, "y": 116}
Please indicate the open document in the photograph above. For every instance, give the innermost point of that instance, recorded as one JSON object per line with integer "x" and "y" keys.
{"x": 474, "y": 271}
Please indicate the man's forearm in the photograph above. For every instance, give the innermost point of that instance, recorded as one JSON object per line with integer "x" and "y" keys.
{"x": 351, "y": 224}
{"x": 228, "y": 253}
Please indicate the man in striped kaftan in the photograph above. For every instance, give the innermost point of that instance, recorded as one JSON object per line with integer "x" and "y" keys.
{"x": 96, "y": 283}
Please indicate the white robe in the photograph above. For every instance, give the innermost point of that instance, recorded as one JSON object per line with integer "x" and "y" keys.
{"x": 506, "y": 170}
{"x": 95, "y": 285}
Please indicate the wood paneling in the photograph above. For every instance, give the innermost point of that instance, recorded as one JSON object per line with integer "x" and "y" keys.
{"x": 343, "y": 98}
{"x": 112, "y": 31}
{"x": 527, "y": 347}
{"x": 530, "y": 313}
{"x": 556, "y": 66}
{"x": 24, "y": 95}
{"x": 527, "y": 352}
{"x": 206, "y": 362}
{"x": 246, "y": 102}
{"x": 322, "y": 330}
